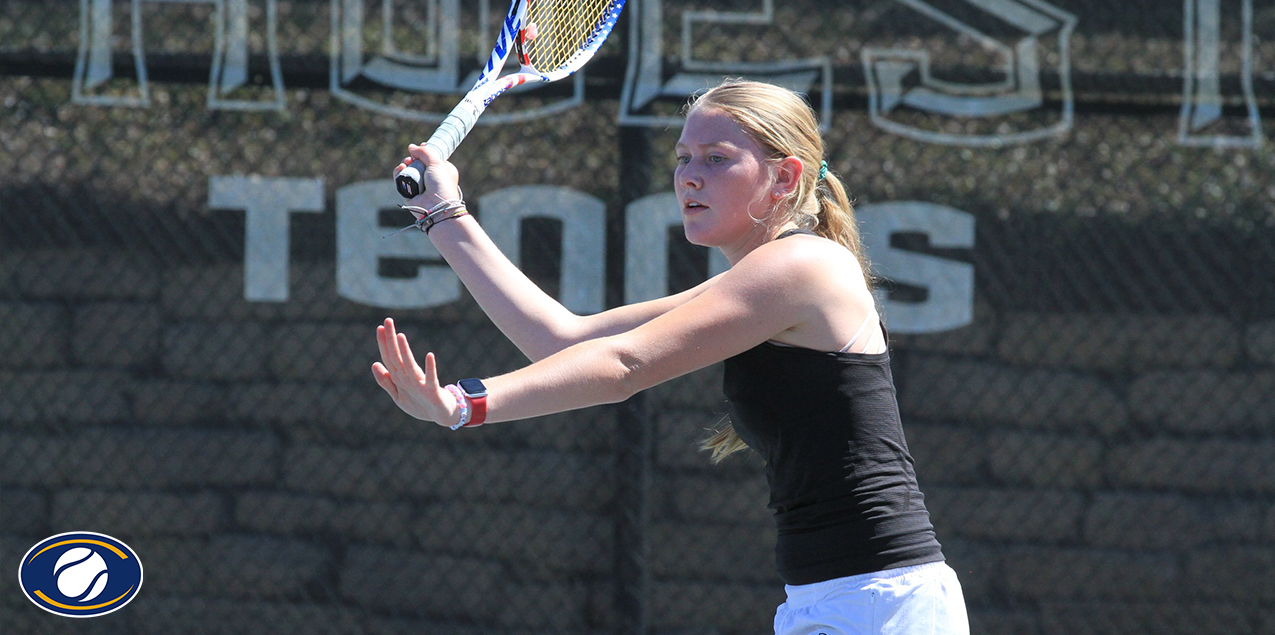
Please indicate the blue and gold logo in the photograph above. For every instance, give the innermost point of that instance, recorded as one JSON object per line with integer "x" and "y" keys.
{"x": 80, "y": 574}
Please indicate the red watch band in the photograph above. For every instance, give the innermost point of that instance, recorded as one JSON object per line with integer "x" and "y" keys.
{"x": 478, "y": 410}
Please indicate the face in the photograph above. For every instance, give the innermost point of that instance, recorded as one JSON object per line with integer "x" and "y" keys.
{"x": 721, "y": 179}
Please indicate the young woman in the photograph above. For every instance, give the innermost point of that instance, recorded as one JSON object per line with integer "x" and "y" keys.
{"x": 807, "y": 371}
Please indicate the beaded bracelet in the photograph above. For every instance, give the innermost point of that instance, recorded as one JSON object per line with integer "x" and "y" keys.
{"x": 463, "y": 402}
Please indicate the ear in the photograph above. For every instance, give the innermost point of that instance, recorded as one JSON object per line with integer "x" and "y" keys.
{"x": 787, "y": 176}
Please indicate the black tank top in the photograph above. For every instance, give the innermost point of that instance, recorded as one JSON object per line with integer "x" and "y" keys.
{"x": 842, "y": 484}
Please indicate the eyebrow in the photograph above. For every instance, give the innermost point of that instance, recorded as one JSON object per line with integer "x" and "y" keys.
{"x": 726, "y": 144}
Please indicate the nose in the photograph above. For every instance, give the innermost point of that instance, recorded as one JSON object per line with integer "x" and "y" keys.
{"x": 688, "y": 178}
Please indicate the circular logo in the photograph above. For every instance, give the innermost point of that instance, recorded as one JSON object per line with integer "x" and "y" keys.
{"x": 80, "y": 574}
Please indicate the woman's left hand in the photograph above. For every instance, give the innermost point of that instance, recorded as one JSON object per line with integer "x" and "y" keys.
{"x": 414, "y": 390}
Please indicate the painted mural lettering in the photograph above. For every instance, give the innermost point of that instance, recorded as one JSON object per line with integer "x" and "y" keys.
{"x": 361, "y": 246}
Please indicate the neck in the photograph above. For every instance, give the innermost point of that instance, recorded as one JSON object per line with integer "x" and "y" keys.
{"x": 760, "y": 235}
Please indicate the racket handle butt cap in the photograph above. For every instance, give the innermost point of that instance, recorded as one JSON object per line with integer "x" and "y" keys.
{"x": 409, "y": 180}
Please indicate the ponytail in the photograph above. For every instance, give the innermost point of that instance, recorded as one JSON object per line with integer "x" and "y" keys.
{"x": 722, "y": 444}
{"x": 837, "y": 222}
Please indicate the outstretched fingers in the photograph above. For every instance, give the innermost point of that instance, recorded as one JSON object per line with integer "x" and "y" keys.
{"x": 384, "y": 380}
{"x": 413, "y": 388}
{"x": 431, "y": 370}
{"x": 410, "y": 367}
{"x": 387, "y": 337}
{"x": 400, "y": 361}
{"x": 381, "y": 347}
{"x": 384, "y": 371}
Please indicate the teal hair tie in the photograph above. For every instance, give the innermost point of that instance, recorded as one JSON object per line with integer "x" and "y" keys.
{"x": 823, "y": 169}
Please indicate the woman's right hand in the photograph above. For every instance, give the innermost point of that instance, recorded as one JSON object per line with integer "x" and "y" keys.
{"x": 442, "y": 179}
{"x": 415, "y": 390}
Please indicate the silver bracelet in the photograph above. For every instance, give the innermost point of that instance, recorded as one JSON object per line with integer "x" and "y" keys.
{"x": 461, "y": 401}
{"x": 428, "y": 217}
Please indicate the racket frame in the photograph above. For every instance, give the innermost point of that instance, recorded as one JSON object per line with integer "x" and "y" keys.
{"x": 490, "y": 85}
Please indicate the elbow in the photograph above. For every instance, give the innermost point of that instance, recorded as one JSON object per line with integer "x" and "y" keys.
{"x": 633, "y": 373}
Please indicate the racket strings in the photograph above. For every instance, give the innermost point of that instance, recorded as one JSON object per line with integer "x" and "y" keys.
{"x": 563, "y": 28}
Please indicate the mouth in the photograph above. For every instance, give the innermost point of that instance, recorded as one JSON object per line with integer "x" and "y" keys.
{"x": 691, "y": 207}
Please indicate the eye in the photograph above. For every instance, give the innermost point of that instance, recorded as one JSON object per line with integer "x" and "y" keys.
{"x": 717, "y": 158}
{"x": 683, "y": 159}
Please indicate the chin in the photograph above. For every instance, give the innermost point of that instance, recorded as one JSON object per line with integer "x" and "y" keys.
{"x": 696, "y": 236}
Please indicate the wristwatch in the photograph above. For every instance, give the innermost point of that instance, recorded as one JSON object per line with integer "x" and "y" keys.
{"x": 476, "y": 393}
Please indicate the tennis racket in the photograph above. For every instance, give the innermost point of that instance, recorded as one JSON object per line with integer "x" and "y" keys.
{"x": 551, "y": 39}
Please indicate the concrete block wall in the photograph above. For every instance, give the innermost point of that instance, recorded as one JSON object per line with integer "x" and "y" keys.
{"x": 244, "y": 451}
{"x": 1086, "y": 472}
{"x": 1099, "y": 472}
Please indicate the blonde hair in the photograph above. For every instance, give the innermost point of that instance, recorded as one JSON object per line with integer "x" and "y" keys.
{"x": 784, "y": 125}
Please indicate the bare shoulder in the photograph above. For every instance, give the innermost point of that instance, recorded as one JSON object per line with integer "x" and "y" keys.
{"x": 807, "y": 261}
{"x": 817, "y": 284}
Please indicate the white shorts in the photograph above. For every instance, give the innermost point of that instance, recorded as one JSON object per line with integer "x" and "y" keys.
{"x": 921, "y": 600}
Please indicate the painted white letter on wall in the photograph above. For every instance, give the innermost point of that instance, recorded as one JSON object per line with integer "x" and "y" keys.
{"x": 1210, "y": 46}
{"x": 1019, "y": 36}
{"x": 950, "y": 301}
{"x": 267, "y": 203}
{"x": 583, "y": 219}
{"x": 360, "y": 247}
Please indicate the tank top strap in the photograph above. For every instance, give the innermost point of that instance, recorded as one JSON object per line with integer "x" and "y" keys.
{"x": 862, "y": 327}
{"x": 794, "y": 232}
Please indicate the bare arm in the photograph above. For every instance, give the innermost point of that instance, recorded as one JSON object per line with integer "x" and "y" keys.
{"x": 535, "y": 322}
{"x": 765, "y": 294}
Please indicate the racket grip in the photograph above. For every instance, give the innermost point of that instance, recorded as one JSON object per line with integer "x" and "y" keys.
{"x": 410, "y": 182}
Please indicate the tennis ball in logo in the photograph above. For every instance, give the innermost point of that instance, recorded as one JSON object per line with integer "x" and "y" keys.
{"x": 81, "y": 574}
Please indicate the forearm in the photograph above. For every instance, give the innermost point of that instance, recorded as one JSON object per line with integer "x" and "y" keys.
{"x": 587, "y": 374}
{"x": 535, "y": 322}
